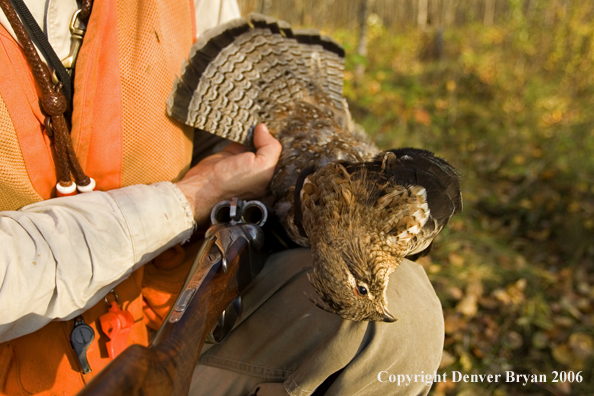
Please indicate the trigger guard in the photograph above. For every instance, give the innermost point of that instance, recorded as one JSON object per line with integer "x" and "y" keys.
{"x": 226, "y": 322}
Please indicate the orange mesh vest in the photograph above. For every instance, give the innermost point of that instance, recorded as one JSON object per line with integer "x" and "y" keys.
{"x": 131, "y": 52}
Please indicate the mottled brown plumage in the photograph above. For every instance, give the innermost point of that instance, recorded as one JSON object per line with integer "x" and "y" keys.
{"x": 361, "y": 210}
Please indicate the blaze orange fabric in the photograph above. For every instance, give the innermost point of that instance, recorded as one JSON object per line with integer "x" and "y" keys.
{"x": 97, "y": 120}
{"x": 29, "y": 142}
{"x": 155, "y": 147}
{"x": 131, "y": 52}
{"x": 163, "y": 280}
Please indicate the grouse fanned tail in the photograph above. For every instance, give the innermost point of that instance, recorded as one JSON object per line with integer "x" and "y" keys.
{"x": 256, "y": 70}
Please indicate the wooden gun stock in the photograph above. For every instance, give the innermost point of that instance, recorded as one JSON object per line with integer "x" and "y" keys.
{"x": 165, "y": 367}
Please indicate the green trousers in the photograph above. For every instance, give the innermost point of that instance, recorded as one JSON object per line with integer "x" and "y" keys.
{"x": 284, "y": 344}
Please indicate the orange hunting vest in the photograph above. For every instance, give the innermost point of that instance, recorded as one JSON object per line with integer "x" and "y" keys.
{"x": 121, "y": 135}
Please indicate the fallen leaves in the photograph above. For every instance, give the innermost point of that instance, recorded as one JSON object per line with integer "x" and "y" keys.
{"x": 468, "y": 306}
{"x": 502, "y": 312}
{"x": 575, "y": 352}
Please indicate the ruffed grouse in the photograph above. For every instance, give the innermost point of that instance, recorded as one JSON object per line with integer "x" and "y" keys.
{"x": 361, "y": 210}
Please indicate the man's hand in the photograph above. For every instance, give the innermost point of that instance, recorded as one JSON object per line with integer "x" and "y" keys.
{"x": 232, "y": 172}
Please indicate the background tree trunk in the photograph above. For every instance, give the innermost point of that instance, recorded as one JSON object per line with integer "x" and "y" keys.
{"x": 362, "y": 15}
{"x": 422, "y": 14}
{"x": 489, "y": 12}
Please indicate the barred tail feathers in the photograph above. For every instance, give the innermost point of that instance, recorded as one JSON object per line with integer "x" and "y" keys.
{"x": 251, "y": 70}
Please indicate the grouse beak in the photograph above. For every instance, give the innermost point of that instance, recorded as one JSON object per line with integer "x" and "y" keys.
{"x": 387, "y": 315}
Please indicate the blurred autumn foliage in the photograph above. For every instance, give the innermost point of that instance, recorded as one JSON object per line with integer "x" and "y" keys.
{"x": 511, "y": 105}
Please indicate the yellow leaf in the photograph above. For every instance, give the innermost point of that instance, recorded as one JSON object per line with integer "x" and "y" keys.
{"x": 516, "y": 291}
{"x": 475, "y": 288}
{"x": 467, "y": 306}
{"x": 526, "y": 204}
{"x": 563, "y": 354}
{"x": 581, "y": 345}
{"x": 519, "y": 159}
{"x": 465, "y": 362}
{"x": 455, "y": 292}
{"x": 502, "y": 296}
{"x": 521, "y": 284}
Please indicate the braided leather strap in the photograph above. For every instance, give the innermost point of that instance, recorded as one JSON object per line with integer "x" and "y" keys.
{"x": 53, "y": 102}
{"x": 85, "y": 11}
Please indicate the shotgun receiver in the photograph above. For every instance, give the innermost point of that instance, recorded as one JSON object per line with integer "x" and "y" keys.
{"x": 206, "y": 307}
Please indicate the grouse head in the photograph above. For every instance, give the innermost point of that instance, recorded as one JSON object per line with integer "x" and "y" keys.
{"x": 351, "y": 278}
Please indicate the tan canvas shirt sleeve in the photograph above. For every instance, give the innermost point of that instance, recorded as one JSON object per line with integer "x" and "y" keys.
{"x": 61, "y": 256}
{"x": 210, "y": 13}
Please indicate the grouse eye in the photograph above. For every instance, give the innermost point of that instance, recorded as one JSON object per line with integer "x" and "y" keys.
{"x": 362, "y": 291}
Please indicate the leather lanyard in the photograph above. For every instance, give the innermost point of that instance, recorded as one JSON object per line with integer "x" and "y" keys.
{"x": 54, "y": 104}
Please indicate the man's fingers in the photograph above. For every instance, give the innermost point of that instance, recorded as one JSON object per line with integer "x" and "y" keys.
{"x": 266, "y": 145}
